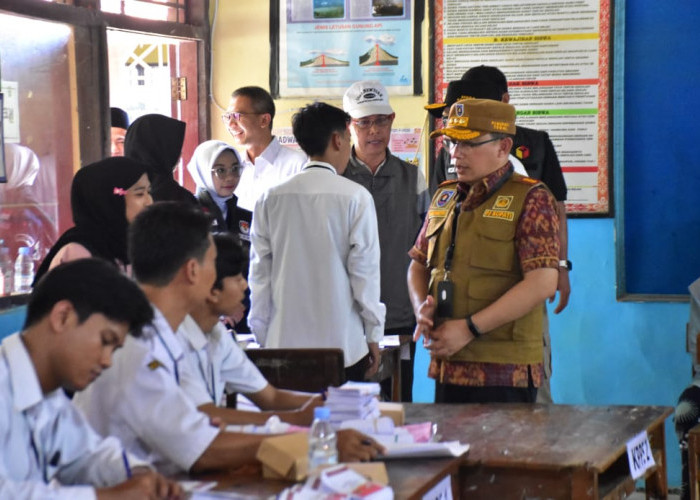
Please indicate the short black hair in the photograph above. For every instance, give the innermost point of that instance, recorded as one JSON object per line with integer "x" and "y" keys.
{"x": 260, "y": 98}
{"x": 231, "y": 259}
{"x": 487, "y": 74}
{"x": 314, "y": 125}
{"x": 165, "y": 236}
{"x": 92, "y": 286}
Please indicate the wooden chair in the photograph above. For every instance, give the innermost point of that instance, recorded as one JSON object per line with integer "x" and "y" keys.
{"x": 309, "y": 370}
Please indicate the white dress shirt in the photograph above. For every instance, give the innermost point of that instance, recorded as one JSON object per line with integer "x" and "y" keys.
{"x": 139, "y": 400}
{"x": 48, "y": 450}
{"x": 216, "y": 362}
{"x": 273, "y": 166}
{"x": 314, "y": 272}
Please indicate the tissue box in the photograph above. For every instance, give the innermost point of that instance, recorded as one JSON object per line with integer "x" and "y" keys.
{"x": 285, "y": 457}
{"x": 394, "y": 411}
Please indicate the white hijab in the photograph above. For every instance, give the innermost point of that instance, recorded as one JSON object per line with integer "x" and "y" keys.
{"x": 22, "y": 166}
{"x": 200, "y": 167}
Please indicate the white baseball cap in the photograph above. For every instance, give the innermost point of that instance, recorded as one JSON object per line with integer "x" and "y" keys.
{"x": 366, "y": 98}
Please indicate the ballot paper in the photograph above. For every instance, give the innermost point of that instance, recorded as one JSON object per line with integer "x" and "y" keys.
{"x": 424, "y": 450}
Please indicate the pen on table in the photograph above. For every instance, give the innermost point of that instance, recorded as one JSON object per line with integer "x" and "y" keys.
{"x": 126, "y": 465}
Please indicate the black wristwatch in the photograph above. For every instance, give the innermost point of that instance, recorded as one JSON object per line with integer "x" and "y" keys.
{"x": 566, "y": 264}
{"x": 472, "y": 327}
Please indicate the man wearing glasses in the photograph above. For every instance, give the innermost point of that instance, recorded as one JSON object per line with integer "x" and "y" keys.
{"x": 485, "y": 261}
{"x": 266, "y": 163}
{"x": 401, "y": 200}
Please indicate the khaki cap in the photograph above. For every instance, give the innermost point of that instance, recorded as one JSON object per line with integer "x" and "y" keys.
{"x": 472, "y": 118}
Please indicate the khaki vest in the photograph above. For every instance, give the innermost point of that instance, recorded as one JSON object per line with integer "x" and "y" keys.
{"x": 485, "y": 265}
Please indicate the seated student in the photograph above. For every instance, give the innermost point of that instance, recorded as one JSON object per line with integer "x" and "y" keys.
{"x": 140, "y": 399}
{"x": 216, "y": 361}
{"x": 77, "y": 316}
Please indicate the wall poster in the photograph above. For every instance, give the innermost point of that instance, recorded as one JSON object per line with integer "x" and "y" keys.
{"x": 556, "y": 55}
{"x": 321, "y": 47}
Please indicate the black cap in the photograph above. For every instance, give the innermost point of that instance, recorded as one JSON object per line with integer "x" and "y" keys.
{"x": 458, "y": 90}
{"x": 119, "y": 118}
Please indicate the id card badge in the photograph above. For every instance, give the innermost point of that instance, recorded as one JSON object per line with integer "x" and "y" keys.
{"x": 445, "y": 294}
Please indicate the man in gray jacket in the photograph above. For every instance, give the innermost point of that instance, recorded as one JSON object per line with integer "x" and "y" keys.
{"x": 401, "y": 199}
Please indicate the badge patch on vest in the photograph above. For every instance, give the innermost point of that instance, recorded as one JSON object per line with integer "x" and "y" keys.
{"x": 445, "y": 197}
{"x": 500, "y": 214}
{"x": 522, "y": 152}
{"x": 154, "y": 365}
{"x": 502, "y": 202}
{"x": 244, "y": 226}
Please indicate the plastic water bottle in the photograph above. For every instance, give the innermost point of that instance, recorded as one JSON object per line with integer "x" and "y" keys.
{"x": 322, "y": 441}
{"x": 6, "y": 270}
{"x": 24, "y": 271}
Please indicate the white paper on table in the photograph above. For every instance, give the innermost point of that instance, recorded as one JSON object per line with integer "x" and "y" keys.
{"x": 390, "y": 341}
{"x": 425, "y": 450}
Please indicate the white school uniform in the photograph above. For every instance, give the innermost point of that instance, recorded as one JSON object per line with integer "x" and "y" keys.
{"x": 48, "y": 450}
{"x": 140, "y": 401}
{"x": 216, "y": 363}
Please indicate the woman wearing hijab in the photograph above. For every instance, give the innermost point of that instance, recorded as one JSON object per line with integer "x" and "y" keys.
{"x": 105, "y": 197}
{"x": 156, "y": 141}
{"x": 216, "y": 169}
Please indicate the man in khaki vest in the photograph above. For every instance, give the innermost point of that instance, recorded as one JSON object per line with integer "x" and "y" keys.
{"x": 483, "y": 264}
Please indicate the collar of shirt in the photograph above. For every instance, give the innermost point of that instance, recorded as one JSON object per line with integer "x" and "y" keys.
{"x": 322, "y": 164}
{"x": 479, "y": 192}
{"x": 162, "y": 329}
{"x": 269, "y": 155}
{"x": 360, "y": 162}
{"x": 193, "y": 333}
{"x": 26, "y": 389}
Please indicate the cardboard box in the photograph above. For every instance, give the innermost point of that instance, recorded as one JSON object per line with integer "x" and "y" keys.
{"x": 285, "y": 457}
{"x": 394, "y": 411}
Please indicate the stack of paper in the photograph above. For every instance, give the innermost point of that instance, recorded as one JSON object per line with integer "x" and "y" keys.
{"x": 353, "y": 401}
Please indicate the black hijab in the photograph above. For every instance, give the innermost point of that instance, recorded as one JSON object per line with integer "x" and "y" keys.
{"x": 99, "y": 210}
{"x": 156, "y": 141}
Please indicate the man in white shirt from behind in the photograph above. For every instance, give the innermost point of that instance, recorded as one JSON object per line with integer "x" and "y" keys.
{"x": 249, "y": 118}
{"x": 216, "y": 361}
{"x": 314, "y": 273}
{"x": 77, "y": 316}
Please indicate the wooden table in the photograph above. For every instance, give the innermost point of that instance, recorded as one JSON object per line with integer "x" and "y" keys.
{"x": 410, "y": 479}
{"x": 517, "y": 451}
{"x": 549, "y": 451}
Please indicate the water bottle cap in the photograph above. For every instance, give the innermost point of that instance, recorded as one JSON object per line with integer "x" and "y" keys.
{"x": 322, "y": 413}
{"x": 24, "y": 250}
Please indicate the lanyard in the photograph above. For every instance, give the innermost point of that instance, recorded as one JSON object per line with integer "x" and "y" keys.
{"x": 211, "y": 390}
{"x": 170, "y": 355}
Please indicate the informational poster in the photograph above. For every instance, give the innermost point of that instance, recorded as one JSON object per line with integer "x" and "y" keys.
{"x": 556, "y": 56}
{"x": 10, "y": 111}
{"x": 326, "y": 45}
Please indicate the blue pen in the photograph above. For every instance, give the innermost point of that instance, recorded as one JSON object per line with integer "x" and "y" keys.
{"x": 126, "y": 465}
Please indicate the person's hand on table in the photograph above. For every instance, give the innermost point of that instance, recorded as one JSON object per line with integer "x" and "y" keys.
{"x": 145, "y": 484}
{"x": 353, "y": 446}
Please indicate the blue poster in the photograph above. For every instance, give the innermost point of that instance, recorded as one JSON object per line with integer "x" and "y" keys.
{"x": 326, "y": 45}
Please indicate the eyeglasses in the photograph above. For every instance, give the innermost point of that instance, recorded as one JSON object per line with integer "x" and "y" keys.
{"x": 453, "y": 144}
{"x": 222, "y": 172}
{"x": 380, "y": 122}
{"x": 230, "y": 116}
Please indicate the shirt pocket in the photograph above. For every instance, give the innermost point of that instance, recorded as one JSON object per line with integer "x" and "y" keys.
{"x": 495, "y": 248}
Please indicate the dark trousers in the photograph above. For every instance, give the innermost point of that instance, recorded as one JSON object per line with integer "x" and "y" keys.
{"x": 356, "y": 372}
{"x": 450, "y": 393}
